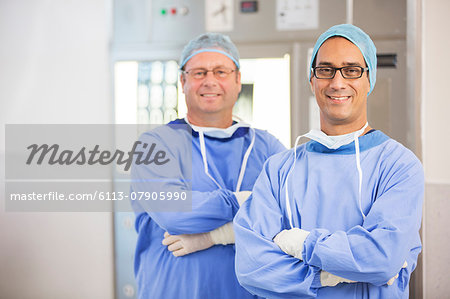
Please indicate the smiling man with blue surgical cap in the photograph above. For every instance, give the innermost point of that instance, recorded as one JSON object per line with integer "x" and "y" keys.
{"x": 191, "y": 254}
{"x": 339, "y": 216}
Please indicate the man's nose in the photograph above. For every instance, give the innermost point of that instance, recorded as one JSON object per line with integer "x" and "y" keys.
{"x": 338, "y": 82}
{"x": 209, "y": 79}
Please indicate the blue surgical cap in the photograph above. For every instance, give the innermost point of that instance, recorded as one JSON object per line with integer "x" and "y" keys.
{"x": 360, "y": 39}
{"x": 210, "y": 42}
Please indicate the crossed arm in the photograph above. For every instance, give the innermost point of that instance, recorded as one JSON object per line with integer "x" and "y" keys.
{"x": 204, "y": 211}
{"x": 373, "y": 252}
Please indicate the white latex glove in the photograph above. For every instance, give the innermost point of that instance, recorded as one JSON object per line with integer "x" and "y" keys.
{"x": 330, "y": 280}
{"x": 181, "y": 245}
{"x": 291, "y": 241}
{"x": 242, "y": 196}
{"x": 223, "y": 235}
{"x": 391, "y": 281}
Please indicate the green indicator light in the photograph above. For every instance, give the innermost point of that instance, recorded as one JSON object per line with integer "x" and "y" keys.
{"x": 163, "y": 12}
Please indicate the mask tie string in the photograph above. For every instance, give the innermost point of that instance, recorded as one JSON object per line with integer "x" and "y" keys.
{"x": 205, "y": 161}
{"x": 360, "y": 174}
{"x": 288, "y": 204}
{"x": 244, "y": 160}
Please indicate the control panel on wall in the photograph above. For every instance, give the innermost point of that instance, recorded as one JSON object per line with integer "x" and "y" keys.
{"x": 177, "y": 21}
{"x": 146, "y": 22}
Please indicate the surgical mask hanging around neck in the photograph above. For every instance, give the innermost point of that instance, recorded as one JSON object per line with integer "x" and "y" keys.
{"x": 334, "y": 142}
{"x": 218, "y": 132}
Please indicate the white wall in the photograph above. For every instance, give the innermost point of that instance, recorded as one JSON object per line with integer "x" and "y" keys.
{"x": 54, "y": 69}
{"x": 436, "y": 128}
{"x": 436, "y": 144}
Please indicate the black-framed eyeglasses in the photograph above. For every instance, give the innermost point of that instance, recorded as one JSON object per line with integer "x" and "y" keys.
{"x": 199, "y": 73}
{"x": 348, "y": 72}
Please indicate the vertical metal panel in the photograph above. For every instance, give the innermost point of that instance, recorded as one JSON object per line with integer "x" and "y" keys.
{"x": 381, "y": 19}
{"x": 413, "y": 98}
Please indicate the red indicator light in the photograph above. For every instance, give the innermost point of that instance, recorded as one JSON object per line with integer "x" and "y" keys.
{"x": 249, "y": 6}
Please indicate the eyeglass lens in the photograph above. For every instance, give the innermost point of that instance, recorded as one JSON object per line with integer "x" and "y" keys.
{"x": 219, "y": 73}
{"x": 348, "y": 72}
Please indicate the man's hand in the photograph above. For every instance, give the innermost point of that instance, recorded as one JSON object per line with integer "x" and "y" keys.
{"x": 331, "y": 280}
{"x": 181, "y": 245}
{"x": 291, "y": 241}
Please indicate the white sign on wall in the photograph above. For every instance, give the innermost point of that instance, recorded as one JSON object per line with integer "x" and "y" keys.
{"x": 219, "y": 15}
{"x": 297, "y": 14}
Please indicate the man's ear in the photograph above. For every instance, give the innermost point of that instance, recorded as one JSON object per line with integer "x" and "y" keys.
{"x": 311, "y": 84}
{"x": 368, "y": 78}
{"x": 238, "y": 80}
{"x": 182, "y": 80}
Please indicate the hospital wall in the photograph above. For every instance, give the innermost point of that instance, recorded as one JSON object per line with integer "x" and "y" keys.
{"x": 55, "y": 69}
{"x": 435, "y": 146}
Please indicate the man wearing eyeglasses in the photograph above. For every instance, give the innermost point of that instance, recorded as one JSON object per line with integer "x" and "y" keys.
{"x": 191, "y": 254}
{"x": 339, "y": 216}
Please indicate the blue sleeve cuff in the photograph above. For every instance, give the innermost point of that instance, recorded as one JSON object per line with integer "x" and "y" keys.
{"x": 309, "y": 253}
{"x": 316, "y": 280}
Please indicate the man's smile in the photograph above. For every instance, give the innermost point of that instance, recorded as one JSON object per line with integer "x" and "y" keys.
{"x": 339, "y": 99}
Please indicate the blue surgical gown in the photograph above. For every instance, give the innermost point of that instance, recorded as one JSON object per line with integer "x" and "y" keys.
{"x": 324, "y": 199}
{"x": 209, "y": 273}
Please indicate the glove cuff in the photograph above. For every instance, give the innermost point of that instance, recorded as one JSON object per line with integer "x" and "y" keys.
{"x": 223, "y": 235}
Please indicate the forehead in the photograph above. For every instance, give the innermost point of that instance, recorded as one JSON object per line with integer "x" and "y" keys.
{"x": 209, "y": 60}
{"x": 339, "y": 51}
